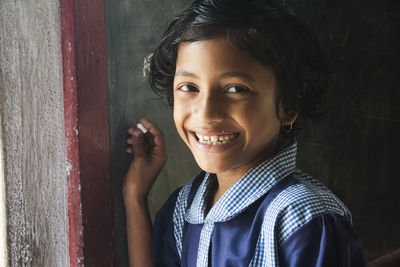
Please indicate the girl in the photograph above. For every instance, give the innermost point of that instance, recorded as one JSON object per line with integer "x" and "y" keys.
{"x": 240, "y": 76}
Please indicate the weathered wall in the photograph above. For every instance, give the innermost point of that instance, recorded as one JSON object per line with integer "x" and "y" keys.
{"x": 3, "y": 216}
{"x": 31, "y": 101}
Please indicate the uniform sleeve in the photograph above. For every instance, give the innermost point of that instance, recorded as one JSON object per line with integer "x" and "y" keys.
{"x": 164, "y": 246}
{"x": 328, "y": 240}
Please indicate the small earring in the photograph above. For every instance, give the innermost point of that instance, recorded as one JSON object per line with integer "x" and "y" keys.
{"x": 286, "y": 129}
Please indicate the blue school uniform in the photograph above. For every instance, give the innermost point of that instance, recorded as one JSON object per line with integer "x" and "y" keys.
{"x": 275, "y": 215}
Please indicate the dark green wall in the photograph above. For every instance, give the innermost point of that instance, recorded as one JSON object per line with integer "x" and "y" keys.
{"x": 134, "y": 28}
{"x": 354, "y": 151}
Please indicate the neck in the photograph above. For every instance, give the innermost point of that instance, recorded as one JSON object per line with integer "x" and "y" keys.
{"x": 230, "y": 177}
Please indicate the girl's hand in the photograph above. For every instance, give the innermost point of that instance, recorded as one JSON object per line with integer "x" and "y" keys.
{"x": 149, "y": 157}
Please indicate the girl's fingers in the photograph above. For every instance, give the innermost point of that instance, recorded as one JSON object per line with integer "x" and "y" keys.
{"x": 159, "y": 142}
{"x": 150, "y": 126}
{"x": 149, "y": 142}
{"x": 149, "y": 139}
{"x": 138, "y": 143}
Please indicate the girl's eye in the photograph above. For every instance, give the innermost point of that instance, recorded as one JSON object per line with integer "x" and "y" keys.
{"x": 187, "y": 88}
{"x": 237, "y": 89}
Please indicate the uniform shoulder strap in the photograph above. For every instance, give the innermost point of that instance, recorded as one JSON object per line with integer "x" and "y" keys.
{"x": 183, "y": 201}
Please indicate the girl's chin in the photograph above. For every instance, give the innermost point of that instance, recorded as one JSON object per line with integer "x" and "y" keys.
{"x": 213, "y": 166}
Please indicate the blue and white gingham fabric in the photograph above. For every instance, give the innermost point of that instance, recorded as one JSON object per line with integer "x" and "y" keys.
{"x": 291, "y": 209}
{"x": 178, "y": 217}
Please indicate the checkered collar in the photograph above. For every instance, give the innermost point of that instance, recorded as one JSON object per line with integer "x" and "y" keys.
{"x": 254, "y": 184}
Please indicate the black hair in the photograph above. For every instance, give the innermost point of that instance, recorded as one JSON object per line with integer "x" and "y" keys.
{"x": 265, "y": 30}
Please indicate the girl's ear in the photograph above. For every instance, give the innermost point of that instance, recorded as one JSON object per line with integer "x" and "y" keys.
{"x": 287, "y": 123}
{"x": 291, "y": 119}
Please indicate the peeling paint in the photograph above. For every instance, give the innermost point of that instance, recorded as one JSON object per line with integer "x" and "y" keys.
{"x": 146, "y": 65}
{"x": 69, "y": 168}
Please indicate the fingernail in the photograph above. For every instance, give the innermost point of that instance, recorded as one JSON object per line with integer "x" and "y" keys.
{"x": 137, "y": 133}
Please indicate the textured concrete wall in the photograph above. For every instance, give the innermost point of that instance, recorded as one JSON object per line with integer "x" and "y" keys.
{"x": 31, "y": 102}
{"x": 3, "y": 217}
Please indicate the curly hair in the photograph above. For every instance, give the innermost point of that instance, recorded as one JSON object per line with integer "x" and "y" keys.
{"x": 265, "y": 30}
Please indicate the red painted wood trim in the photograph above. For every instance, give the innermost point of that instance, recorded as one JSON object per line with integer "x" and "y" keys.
{"x": 71, "y": 132}
{"x": 94, "y": 140}
{"x": 90, "y": 210}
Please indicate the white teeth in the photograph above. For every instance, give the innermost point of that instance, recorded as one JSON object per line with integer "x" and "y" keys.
{"x": 215, "y": 139}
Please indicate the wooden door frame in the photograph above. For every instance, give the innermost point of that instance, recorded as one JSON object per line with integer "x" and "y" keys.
{"x": 86, "y": 113}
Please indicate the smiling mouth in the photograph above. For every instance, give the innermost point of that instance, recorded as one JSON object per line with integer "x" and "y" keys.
{"x": 216, "y": 139}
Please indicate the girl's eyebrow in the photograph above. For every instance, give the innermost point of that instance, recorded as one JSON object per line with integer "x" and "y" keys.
{"x": 238, "y": 74}
{"x": 229, "y": 74}
{"x": 185, "y": 74}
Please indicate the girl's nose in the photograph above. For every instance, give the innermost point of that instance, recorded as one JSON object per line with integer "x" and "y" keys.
{"x": 209, "y": 108}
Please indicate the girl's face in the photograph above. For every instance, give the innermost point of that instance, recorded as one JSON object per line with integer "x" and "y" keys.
{"x": 222, "y": 93}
